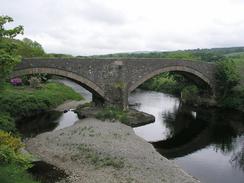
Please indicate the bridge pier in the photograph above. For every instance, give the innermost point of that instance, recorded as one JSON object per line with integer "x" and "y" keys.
{"x": 113, "y": 79}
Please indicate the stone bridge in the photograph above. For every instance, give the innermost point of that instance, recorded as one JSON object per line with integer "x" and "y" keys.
{"x": 111, "y": 80}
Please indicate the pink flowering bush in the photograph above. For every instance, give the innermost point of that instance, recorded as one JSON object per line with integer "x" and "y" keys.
{"x": 16, "y": 81}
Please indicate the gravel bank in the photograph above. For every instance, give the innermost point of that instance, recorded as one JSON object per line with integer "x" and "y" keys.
{"x": 93, "y": 151}
{"x": 69, "y": 104}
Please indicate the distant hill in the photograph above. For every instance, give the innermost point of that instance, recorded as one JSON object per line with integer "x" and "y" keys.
{"x": 209, "y": 55}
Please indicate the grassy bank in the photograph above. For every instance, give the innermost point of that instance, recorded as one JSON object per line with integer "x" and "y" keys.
{"x": 16, "y": 103}
{"x": 13, "y": 174}
{"x": 25, "y": 101}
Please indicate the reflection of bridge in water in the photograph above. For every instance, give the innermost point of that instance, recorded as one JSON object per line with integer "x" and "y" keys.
{"x": 205, "y": 130}
{"x": 111, "y": 80}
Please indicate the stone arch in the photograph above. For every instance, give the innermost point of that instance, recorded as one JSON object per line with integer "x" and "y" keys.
{"x": 70, "y": 75}
{"x": 172, "y": 68}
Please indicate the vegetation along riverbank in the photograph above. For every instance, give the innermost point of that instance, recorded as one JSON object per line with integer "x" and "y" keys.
{"x": 21, "y": 101}
{"x": 16, "y": 103}
{"x": 112, "y": 146}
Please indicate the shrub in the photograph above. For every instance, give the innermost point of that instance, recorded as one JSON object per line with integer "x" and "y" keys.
{"x": 6, "y": 139}
{"x": 235, "y": 100}
{"x": 166, "y": 82}
{"x": 10, "y": 151}
{"x": 190, "y": 94}
{"x": 7, "y": 123}
{"x": 231, "y": 102}
{"x": 35, "y": 82}
{"x": 227, "y": 78}
{"x": 16, "y": 81}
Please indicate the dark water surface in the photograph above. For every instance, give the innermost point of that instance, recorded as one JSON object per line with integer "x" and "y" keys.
{"x": 206, "y": 143}
{"x": 50, "y": 121}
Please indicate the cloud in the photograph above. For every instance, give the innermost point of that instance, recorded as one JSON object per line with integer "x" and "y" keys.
{"x": 84, "y": 27}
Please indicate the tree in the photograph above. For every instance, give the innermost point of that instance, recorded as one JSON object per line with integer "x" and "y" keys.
{"x": 28, "y": 48}
{"x": 8, "y": 57}
{"x": 227, "y": 77}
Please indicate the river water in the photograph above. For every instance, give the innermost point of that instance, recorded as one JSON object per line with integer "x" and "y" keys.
{"x": 206, "y": 143}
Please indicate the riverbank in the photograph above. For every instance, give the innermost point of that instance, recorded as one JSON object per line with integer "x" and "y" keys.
{"x": 130, "y": 117}
{"x": 24, "y": 101}
{"x": 97, "y": 151}
{"x": 17, "y": 103}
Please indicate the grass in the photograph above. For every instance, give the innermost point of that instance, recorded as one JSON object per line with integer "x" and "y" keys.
{"x": 13, "y": 174}
{"x": 98, "y": 159}
{"x": 18, "y": 102}
{"x": 24, "y": 101}
{"x": 7, "y": 123}
{"x": 113, "y": 113}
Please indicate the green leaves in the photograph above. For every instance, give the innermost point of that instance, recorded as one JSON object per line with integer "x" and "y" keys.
{"x": 10, "y": 33}
{"x": 11, "y": 49}
{"x": 28, "y": 48}
{"x": 7, "y": 62}
{"x": 227, "y": 77}
{"x": 8, "y": 58}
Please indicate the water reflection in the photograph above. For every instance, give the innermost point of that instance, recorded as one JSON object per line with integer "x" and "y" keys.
{"x": 46, "y": 173}
{"x": 32, "y": 126}
{"x": 237, "y": 159}
{"x": 66, "y": 119}
{"x": 154, "y": 103}
{"x": 52, "y": 120}
{"x": 207, "y": 143}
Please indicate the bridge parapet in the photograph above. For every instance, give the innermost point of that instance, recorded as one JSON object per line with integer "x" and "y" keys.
{"x": 114, "y": 79}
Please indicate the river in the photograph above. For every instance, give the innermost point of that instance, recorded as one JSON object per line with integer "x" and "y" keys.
{"x": 206, "y": 143}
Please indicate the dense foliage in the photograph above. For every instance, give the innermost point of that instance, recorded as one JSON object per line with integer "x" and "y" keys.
{"x": 167, "y": 83}
{"x": 13, "y": 163}
{"x": 28, "y": 48}
{"x": 190, "y": 94}
{"x": 7, "y": 122}
{"x": 227, "y": 78}
{"x": 10, "y": 151}
{"x": 8, "y": 57}
{"x": 16, "y": 102}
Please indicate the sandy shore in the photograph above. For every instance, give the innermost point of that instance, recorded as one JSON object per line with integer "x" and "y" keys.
{"x": 94, "y": 151}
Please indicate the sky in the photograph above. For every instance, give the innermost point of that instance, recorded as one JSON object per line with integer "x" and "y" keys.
{"x": 88, "y": 27}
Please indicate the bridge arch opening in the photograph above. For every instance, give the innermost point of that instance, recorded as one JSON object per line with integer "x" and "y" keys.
{"x": 190, "y": 74}
{"x": 98, "y": 95}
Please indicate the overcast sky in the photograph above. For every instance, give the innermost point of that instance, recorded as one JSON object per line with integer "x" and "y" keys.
{"x": 85, "y": 27}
